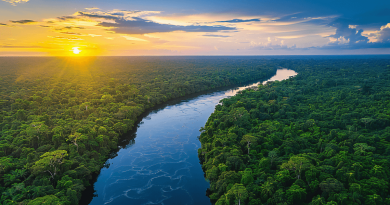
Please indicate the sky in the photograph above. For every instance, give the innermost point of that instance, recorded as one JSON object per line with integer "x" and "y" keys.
{"x": 201, "y": 27}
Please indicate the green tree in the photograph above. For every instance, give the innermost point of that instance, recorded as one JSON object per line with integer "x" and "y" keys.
{"x": 297, "y": 164}
{"x": 239, "y": 192}
{"x": 295, "y": 194}
{"x": 248, "y": 140}
{"x": 48, "y": 199}
{"x": 331, "y": 185}
{"x": 50, "y": 162}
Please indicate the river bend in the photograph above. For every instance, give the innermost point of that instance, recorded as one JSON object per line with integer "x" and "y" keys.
{"x": 161, "y": 166}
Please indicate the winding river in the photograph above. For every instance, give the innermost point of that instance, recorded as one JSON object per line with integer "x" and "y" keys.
{"x": 159, "y": 163}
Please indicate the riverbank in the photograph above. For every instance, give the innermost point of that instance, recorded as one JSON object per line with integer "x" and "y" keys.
{"x": 72, "y": 111}
{"x": 174, "y": 115}
{"x": 318, "y": 138}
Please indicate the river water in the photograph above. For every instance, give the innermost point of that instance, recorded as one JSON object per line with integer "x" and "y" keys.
{"x": 160, "y": 165}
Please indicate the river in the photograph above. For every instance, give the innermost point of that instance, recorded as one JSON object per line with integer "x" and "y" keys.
{"x": 159, "y": 165}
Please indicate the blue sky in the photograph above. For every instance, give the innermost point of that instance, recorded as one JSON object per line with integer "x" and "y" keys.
{"x": 152, "y": 27}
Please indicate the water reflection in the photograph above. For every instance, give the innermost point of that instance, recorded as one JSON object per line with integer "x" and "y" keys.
{"x": 162, "y": 166}
{"x": 281, "y": 74}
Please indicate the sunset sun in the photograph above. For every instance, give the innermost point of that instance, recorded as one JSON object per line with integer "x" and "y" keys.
{"x": 76, "y": 50}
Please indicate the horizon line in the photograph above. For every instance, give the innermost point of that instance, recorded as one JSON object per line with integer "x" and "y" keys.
{"x": 200, "y": 55}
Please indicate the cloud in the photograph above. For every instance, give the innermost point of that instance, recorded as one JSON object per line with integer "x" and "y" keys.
{"x": 271, "y": 46}
{"x": 304, "y": 17}
{"x": 219, "y": 36}
{"x": 350, "y": 33}
{"x": 18, "y": 46}
{"x": 94, "y": 35}
{"x": 141, "y": 26}
{"x": 14, "y": 2}
{"x": 3, "y": 24}
{"x": 24, "y": 22}
{"x": 348, "y": 37}
{"x": 239, "y": 21}
{"x": 64, "y": 18}
{"x": 71, "y": 33}
{"x": 66, "y": 38}
{"x": 66, "y": 28}
{"x": 384, "y": 33}
{"x": 130, "y": 38}
{"x": 347, "y": 46}
{"x": 115, "y": 14}
{"x": 108, "y": 17}
{"x": 92, "y": 8}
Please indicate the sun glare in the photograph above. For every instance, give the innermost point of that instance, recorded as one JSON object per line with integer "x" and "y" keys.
{"x": 76, "y": 50}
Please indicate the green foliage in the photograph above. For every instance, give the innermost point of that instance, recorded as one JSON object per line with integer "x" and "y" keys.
{"x": 319, "y": 138}
{"x": 48, "y": 199}
{"x": 61, "y": 117}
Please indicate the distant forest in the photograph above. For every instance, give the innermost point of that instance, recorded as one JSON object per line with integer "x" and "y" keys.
{"x": 61, "y": 117}
{"x": 322, "y": 137}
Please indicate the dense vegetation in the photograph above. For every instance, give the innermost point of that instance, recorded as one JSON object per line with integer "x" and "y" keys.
{"x": 322, "y": 137}
{"x": 60, "y": 118}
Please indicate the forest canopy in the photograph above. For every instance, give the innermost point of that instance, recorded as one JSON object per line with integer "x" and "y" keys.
{"x": 322, "y": 137}
{"x": 61, "y": 117}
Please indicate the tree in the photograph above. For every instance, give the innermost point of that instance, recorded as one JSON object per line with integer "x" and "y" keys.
{"x": 297, "y": 164}
{"x": 50, "y": 162}
{"x": 36, "y": 129}
{"x": 295, "y": 193}
{"x": 239, "y": 192}
{"x": 318, "y": 200}
{"x": 374, "y": 199}
{"x": 73, "y": 138}
{"x": 47, "y": 200}
{"x": 331, "y": 185}
{"x": 247, "y": 177}
{"x": 361, "y": 148}
{"x": 235, "y": 163}
{"x": 249, "y": 140}
{"x": 5, "y": 164}
{"x": 273, "y": 156}
{"x": 212, "y": 174}
{"x": 267, "y": 189}
{"x": 366, "y": 121}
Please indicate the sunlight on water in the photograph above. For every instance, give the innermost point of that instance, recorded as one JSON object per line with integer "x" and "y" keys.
{"x": 281, "y": 74}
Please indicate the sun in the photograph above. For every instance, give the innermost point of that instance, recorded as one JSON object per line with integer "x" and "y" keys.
{"x": 76, "y": 50}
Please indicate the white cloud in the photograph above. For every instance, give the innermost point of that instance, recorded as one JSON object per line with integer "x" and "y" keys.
{"x": 130, "y": 38}
{"x": 92, "y": 8}
{"x": 14, "y": 2}
{"x": 352, "y": 26}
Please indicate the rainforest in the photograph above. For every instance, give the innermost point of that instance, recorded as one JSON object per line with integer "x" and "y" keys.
{"x": 62, "y": 117}
{"x": 321, "y": 137}
{"x": 115, "y": 130}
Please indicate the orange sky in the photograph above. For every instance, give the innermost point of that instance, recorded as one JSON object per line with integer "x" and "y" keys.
{"x": 94, "y": 31}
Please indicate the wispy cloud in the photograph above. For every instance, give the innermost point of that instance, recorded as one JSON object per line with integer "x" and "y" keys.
{"x": 17, "y": 46}
{"x": 14, "y": 2}
{"x": 24, "y": 22}
{"x": 130, "y": 38}
{"x": 218, "y": 36}
{"x": 66, "y": 38}
{"x": 240, "y": 21}
{"x": 72, "y": 33}
{"x": 141, "y": 26}
{"x": 92, "y": 8}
